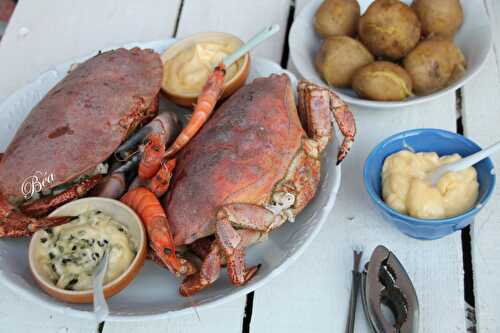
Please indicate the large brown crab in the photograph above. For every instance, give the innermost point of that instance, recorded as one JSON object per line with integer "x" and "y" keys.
{"x": 74, "y": 128}
{"x": 251, "y": 168}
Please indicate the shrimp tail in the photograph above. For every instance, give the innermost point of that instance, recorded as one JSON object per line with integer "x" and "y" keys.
{"x": 205, "y": 104}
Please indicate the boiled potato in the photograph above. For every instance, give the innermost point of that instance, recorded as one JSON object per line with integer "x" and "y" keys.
{"x": 337, "y": 17}
{"x": 443, "y": 17}
{"x": 434, "y": 64}
{"x": 382, "y": 81}
{"x": 339, "y": 57}
{"x": 389, "y": 29}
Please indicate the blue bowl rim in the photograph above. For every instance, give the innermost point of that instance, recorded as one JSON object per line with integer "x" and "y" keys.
{"x": 450, "y": 220}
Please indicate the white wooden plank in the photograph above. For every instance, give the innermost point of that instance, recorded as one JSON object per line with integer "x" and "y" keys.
{"x": 481, "y": 118}
{"x": 45, "y": 33}
{"x": 19, "y": 316}
{"x": 225, "y": 318}
{"x": 242, "y": 18}
{"x": 313, "y": 295}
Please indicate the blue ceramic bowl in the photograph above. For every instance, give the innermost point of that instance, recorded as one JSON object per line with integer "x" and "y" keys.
{"x": 426, "y": 140}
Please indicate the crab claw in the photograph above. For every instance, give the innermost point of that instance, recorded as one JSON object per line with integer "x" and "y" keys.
{"x": 317, "y": 105}
{"x": 208, "y": 273}
{"x": 345, "y": 122}
{"x": 15, "y": 224}
{"x": 44, "y": 206}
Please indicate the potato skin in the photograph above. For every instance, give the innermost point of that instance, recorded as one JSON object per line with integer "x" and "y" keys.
{"x": 440, "y": 17}
{"x": 382, "y": 81}
{"x": 434, "y": 64}
{"x": 337, "y": 17}
{"x": 338, "y": 59}
{"x": 389, "y": 29}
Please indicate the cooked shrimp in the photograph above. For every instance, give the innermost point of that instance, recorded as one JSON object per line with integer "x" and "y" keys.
{"x": 160, "y": 182}
{"x": 205, "y": 104}
{"x": 152, "y": 214}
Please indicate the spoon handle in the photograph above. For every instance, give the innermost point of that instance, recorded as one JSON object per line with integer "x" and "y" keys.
{"x": 253, "y": 42}
{"x": 464, "y": 162}
{"x": 474, "y": 158}
{"x": 101, "y": 309}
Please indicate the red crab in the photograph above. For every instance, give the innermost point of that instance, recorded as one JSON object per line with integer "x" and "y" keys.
{"x": 250, "y": 168}
{"x": 75, "y": 127}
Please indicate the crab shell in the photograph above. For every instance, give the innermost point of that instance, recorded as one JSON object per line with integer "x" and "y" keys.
{"x": 83, "y": 119}
{"x": 239, "y": 156}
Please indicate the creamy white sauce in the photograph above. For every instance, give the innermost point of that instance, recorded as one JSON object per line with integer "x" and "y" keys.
{"x": 188, "y": 71}
{"x": 406, "y": 189}
{"x": 69, "y": 254}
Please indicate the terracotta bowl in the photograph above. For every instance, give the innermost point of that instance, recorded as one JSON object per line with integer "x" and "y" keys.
{"x": 120, "y": 213}
{"x": 229, "y": 87}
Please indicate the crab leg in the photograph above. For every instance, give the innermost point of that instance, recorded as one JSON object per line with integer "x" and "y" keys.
{"x": 317, "y": 105}
{"x": 16, "y": 224}
{"x": 230, "y": 243}
{"x": 346, "y": 123}
{"x": 208, "y": 273}
{"x": 45, "y": 205}
{"x": 213, "y": 258}
{"x": 201, "y": 247}
{"x": 205, "y": 104}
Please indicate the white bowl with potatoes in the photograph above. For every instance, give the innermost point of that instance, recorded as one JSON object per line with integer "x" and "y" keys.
{"x": 390, "y": 53}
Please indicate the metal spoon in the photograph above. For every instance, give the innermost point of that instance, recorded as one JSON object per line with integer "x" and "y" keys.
{"x": 253, "y": 42}
{"x": 101, "y": 309}
{"x": 463, "y": 163}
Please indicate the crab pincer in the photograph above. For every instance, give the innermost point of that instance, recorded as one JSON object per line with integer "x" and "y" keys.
{"x": 152, "y": 214}
{"x": 15, "y": 224}
{"x": 43, "y": 206}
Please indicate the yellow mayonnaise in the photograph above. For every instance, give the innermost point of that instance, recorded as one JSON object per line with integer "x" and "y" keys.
{"x": 406, "y": 189}
{"x": 188, "y": 71}
{"x": 69, "y": 254}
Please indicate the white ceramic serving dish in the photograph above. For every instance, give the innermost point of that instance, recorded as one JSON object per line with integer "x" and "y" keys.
{"x": 154, "y": 292}
{"x": 473, "y": 38}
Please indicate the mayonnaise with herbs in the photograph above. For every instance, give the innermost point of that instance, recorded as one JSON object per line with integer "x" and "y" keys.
{"x": 69, "y": 254}
{"x": 406, "y": 189}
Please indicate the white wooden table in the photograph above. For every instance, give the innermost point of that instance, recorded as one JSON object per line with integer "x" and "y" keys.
{"x": 312, "y": 295}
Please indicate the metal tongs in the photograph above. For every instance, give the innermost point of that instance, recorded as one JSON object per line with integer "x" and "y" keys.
{"x": 385, "y": 282}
